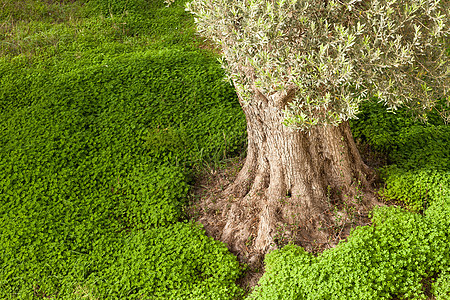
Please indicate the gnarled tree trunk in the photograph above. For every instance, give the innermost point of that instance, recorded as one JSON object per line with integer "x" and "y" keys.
{"x": 287, "y": 178}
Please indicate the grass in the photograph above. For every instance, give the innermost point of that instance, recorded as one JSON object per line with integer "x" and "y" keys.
{"x": 100, "y": 127}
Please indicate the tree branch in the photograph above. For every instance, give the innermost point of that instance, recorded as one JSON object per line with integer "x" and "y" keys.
{"x": 281, "y": 102}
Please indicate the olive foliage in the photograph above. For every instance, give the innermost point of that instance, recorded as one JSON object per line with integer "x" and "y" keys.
{"x": 317, "y": 60}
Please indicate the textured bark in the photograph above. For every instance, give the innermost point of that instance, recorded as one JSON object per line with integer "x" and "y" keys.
{"x": 287, "y": 178}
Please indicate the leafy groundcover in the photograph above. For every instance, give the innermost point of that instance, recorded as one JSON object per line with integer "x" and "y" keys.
{"x": 98, "y": 134}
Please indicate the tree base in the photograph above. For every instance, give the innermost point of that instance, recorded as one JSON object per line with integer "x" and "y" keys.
{"x": 236, "y": 221}
{"x": 303, "y": 187}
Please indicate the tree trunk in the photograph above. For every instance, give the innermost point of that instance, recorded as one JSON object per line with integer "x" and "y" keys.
{"x": 289, "y": 180}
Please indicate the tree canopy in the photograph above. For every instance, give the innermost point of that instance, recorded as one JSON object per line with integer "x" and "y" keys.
{"x": 328, "y": 56}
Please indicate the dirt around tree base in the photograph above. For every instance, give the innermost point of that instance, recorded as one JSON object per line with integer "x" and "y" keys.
{"x": 207, "y": 205}
{"x": 212, "y": 206}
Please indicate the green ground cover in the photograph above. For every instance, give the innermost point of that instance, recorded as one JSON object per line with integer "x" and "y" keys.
{"x": 106, "y": 107}
{"x": 99, "y": 129}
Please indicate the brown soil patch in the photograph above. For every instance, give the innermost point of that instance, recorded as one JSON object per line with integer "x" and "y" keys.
{"x": 208, "y": 201}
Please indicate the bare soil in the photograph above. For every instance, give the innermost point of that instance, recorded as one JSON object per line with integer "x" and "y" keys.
{"x": 209, "y": 200}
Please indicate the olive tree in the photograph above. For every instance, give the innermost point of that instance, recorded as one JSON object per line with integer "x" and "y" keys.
{"x": 301, "y": 69}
